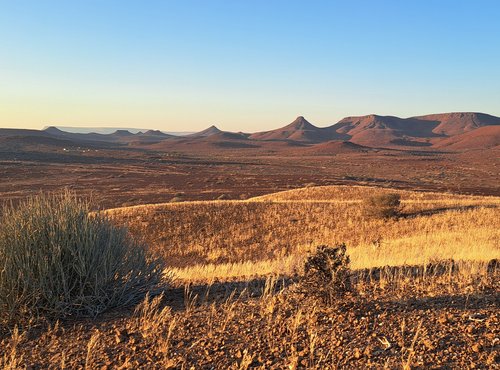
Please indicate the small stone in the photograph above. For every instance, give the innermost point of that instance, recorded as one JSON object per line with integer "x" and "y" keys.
{"x": 121, "y": 336}
{"x": 443, "y": 319}
{"x": 357, "y": 353}
{"x": 428, "y": 344}
{"x": 493, "y": 358}
{"x": 477, "y": 347}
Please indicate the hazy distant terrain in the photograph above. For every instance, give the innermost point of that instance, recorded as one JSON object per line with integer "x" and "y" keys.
{"x": 108, "y": 130}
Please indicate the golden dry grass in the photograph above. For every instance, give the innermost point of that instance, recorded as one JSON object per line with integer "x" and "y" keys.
{"x": 398, "y": 318}
{"x": 204, "y": 241}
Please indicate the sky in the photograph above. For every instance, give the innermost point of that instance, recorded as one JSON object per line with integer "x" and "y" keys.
{"x": 243, "y": 65}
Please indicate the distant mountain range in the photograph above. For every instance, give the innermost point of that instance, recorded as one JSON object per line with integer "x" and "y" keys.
{"x": 446, "y": 131}
{"x": 109, "y": 130}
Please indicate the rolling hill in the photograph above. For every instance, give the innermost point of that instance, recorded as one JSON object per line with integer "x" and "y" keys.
{"x": 336, "y": 147}
{"x": 386, "y": 131}
{"x": 481, "y": 138}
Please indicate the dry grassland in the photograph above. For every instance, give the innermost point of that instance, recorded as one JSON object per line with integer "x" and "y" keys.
{"x": 238, "y": 304}
{"x": 272, "y": 234}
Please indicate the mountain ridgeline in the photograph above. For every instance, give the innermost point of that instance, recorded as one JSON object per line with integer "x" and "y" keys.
{"x": 447, "y": 131}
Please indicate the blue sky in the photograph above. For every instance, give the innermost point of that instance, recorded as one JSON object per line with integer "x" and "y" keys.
{"x": 243, "y": 65}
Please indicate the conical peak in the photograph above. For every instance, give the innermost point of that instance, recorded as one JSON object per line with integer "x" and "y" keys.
{"x": 300, "y": 123}
{"x": 52, "y": 129}
{"x": 212, "y": 129}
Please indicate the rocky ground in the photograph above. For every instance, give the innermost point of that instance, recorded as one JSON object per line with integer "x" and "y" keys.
{"x": 405, "y": 323}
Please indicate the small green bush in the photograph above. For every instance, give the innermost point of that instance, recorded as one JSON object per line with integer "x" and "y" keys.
{"x": 58, "y": 259}
{"x": 382, "y": 205}
{"x": 327, "y": 274}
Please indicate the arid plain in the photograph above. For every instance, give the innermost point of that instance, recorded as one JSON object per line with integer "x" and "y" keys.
{"x": 235, "y": 217}
{"x": 456, "y": 152}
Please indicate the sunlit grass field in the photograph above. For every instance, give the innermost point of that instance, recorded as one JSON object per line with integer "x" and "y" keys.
{"x": 272, "y": 234}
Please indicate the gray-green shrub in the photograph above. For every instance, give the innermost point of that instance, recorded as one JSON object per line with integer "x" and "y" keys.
{"x": 59, "y": 259}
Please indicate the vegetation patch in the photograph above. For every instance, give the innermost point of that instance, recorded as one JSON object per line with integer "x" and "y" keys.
{"x": 327, "y": 274}
{"x": 58, "y": 259}
{"x": 382, "y": 205}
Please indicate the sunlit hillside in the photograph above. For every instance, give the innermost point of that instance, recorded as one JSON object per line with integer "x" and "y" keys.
{"x": 274, "y": 233}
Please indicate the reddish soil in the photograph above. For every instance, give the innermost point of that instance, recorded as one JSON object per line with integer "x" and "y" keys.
{"x": 420, "y": 326}
{"x": 130, "y": 176}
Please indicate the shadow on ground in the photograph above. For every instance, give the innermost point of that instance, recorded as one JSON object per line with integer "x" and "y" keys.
{"x": 179, "y": 298}
{"x": 435, "y": 211}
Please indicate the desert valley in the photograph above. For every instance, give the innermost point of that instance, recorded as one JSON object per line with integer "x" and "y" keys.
{"x": 243, "y": 185}
{"x": 234, "y": 218}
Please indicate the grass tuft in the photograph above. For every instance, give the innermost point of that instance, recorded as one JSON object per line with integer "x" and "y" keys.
{"x": 58, "y": 259}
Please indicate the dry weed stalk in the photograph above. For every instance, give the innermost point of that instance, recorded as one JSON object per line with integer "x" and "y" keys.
{"x": 410, "y": 352}
{"x": 228, "y": 310}
{"x": 189, "y": 299}
{"x": 10, "y": 359}
{"x": 246, "y": 360}
{"x": 163, "y": 344}
{"x": 151, "y": 317}
{"x": 91, "y": 346}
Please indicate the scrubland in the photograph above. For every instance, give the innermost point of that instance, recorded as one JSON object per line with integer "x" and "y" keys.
{"x": 273, "y": 233}
{"x": 424, "y": 288}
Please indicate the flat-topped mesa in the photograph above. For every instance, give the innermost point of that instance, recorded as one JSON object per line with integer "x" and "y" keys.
{"x": 457, "y": 123}
{"x": 122, "y": 133}
{"x": 154, "y": 133}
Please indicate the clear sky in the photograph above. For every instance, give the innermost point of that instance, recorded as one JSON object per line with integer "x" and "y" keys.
{"x": 243, "y": 65}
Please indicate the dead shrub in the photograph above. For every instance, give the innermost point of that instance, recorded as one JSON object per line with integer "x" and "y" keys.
{"x": 327, "y": 274}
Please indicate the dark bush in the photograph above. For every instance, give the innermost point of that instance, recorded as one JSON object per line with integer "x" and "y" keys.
{"x": 327, "y": 274}
{"x": 59, "y": 259}
{"x": 382, "y": 205}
